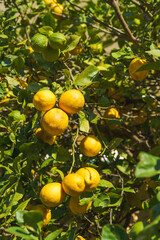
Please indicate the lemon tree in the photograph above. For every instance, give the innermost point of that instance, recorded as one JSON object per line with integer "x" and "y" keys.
{"x": 80, "y": 119}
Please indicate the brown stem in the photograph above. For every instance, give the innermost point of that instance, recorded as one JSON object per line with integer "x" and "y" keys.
{"x": 142, "y": 7}
{"x": 15, "y": 4}
{"x": 115, "y": 5}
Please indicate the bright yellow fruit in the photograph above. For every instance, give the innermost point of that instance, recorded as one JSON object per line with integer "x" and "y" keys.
{"x": 71, "y": 101}
{"x": 42, "y": 135}
{"x": 45, "y": 212}
{"x": 30, "y": 50}
{"x": 73, "y": 184}
{"x": 76, "y": 208}
{"x": 49, "y": 2}
{"x": 90, "y": 146}
{"x": 91, "y": 178}
{"x": 44, "y": 100}
{"x": 141, "y": 117}
{"x": 111, "y": 113}
{"x": 57, "y": 8}
{"x": 76, "y": 50}
{"x": 80, "y": 238}
{"x": 135, "y": 64}
{"x": 52, "y": 194}
{"x": 54, "y": 122}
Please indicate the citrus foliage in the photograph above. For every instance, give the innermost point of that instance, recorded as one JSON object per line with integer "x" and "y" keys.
{"x": 45, "y": 45}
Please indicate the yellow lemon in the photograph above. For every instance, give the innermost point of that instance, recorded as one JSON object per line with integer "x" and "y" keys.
{"x": 90, "y": 146}
{"x": 42, "y": 135}
{"x": 73, "y": 184}
{"x": 76, "y": 50}
{"x": 111, "y": 113}
{"x": 44, "y": 100}
{"x": 71, "y": 101}
{"x": 76, "y": 208}
{"x": 54, "y": 122}
{"x": 135, "y": 64}
{"x": 91, "y": 178}
{"x": 52, "y": 194}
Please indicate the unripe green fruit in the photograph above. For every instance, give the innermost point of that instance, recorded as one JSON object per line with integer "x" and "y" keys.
{"x": 96, "y": 48}
{"x": 39, "y": 42}
{"x": 56, "y": 40}
{"x": 50, "y": 54}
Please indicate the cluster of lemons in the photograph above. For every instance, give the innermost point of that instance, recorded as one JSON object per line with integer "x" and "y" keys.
{"x": 54, "y": 6}
{"x": 74, "y": 184}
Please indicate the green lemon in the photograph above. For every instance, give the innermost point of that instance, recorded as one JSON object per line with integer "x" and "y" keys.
{"x": 39, "y": 42}
{"x": 50, "y": 54}
{"x": 56, "y": 40}
{"x": 16, "y": 116}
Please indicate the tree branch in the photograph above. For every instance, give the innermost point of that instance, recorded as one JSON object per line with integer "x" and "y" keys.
{"x": 115, "y": 5}
{"x": 143, "y": 8}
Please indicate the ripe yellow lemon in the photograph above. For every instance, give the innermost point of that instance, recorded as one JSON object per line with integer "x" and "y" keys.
{"x": 135, "y": 64}
{"x": 71, "y": 101}
{"x": 44, "y": 100}
{"x": 49, "y": 2}
{"x": 45, "y": 212}
{"x": 111, "y": 113}
{"x": 141, "y": 117}
{"x": 52, "y": 194}
{"x": 91, "y": 178}
{"x": 76, "y": 208}
{"x": 73, "y": 184}
{"x": 54, "y": 122}
{"x": 80, "y": 238}
{"x": 76, "y": 50}
{"x": 57, "y": 8}
{"x": 90, "y": 146}
{"x": 42, "y": 135}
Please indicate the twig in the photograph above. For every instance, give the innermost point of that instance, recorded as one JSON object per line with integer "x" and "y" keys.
{"x": 142, "y": 7}
{"x": 15, "y": 4}
{"x": 110, "y": 216}
{"x": 73, "y": 151}
{"x": 115, "y": 5}
{"x": 72, "y": 78}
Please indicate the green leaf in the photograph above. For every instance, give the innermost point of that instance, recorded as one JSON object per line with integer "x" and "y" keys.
{"x": 87, "y": 76}
{"x": 20, "y": 232}
{"x": 114, "y": 232}
{"x": 148, "y": 166}
{"x": 105, "y": 183}
{"x": 71, "y": 43}
{"x": 18, "y": 63}
{"x": 22, "y": 206}
{"x": 123, "y": 166}
{"x": 49, "y": 20}
{"x": 54, "y": 235}
{"x": 154, "y": 52}
{"x": 84, "y": 125}
{"x": 63, "y": 155}
{"x": 150, "y": 66}
{"x": 33, "y": 218}
{"x": 19, "y": 216}
{"x": 115, "y": 142}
